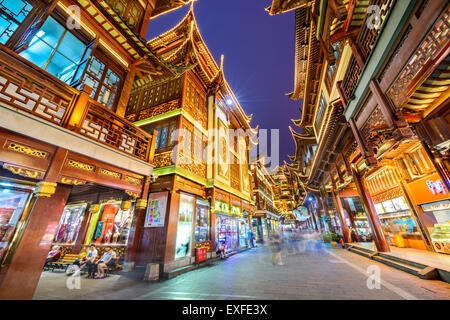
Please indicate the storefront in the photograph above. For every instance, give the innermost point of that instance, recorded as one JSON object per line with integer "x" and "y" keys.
{"x": 433, "y": 198}
{"x": 397, "y": 222}
{"x": 106, "y": 221}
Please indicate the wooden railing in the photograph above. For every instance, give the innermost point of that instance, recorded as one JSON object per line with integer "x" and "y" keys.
{"x": 28, "y": 88}
{"x": 368, "y": 35}
{"x": 372, "y": 25}
{"x": 351, "y": 78}
{"x": 104, "y": 126}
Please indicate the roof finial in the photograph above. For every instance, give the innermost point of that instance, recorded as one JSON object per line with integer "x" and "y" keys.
{"x": 221, "y": 61}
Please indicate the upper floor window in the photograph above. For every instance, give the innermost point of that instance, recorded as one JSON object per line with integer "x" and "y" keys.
{"x": 104, "y": 81}
{"x": 320, "y": 112}
{"x": 12, "y": 14}
{"x": 164, "y": 139}
{"x": 129, "y": 10}
{"x": 56, "y": 50}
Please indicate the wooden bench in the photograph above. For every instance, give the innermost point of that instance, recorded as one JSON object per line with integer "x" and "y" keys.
{"x": 64, "y": 262}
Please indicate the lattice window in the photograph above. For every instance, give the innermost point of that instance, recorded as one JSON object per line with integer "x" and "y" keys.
{"x": 105, "y": 83}
{"x": 320, "y": 112}
{"x": 12, "y": 14}
{"x": 130, "y": 12}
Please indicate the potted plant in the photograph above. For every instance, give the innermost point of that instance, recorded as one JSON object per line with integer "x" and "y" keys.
{"x": 334, "y": 240}
{"x": 326, "y": 237}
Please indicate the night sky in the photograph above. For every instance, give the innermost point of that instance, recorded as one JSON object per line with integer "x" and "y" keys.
{"x": 259, "y": 57}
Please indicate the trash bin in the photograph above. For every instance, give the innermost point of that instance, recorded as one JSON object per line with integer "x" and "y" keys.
{"x": 200, "y": 255}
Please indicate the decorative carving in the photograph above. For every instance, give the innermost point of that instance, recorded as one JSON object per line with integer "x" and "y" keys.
{"x": 163, "y": 159}
{"x": 45, "y": 189}
{"x": 133, "y": 180}
{"x": 110, "y": 173}
{"x": 80, "y": 165}
{"x": 132, "y": 194}
{"x": 434, "y": 42}
{"x": 13, "y": 146}
{"x": 29, "y": 173}
{"x": 159, "y": 109}
{"x": 72, "y": 181}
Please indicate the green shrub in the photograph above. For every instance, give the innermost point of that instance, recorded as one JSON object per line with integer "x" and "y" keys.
{"x": 334, "y": 237}
{"x": 326, "y": 237}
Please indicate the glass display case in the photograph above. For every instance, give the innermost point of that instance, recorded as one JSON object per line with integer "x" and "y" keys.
{"x": 12, "y": 206}
{"x": 184, "y": 229}
{"x": 243, "y": 232}
{"x": 70, "y": 223}
{"x": 437, "y": 221}
{"x": 227, "y": 230}
{"x": 202, "y": 221}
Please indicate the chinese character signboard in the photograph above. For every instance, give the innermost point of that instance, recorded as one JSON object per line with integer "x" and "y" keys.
{"x": 156, "y": 210}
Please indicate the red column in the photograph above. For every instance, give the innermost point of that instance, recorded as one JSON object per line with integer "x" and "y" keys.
{"x": 340, "y": 211}
{"x": 22, "y": 275}
{"x": 375, "y": 225}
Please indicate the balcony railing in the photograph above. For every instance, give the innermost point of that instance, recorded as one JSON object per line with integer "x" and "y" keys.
{"x": 28, "y": 88}
{"x": 372, "y": 25}
{"x": 368, "y": 35}
{"x": 351, "y": 78}
{"x": 104, "y": 126}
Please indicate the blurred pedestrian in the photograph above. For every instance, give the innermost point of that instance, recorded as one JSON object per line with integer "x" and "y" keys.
{"x": 277, "y": 249}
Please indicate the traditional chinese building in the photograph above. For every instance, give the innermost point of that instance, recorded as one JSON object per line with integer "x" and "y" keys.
{"x": 374, "y": 117}
{"x": 73, "y": 170}
{"x": 266, "y": 219}
{"x": 203, "y": 171}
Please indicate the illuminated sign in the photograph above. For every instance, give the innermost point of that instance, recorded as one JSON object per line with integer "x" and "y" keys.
{"x": 428, "y": 189}
{"x": 221, "y": 206}
{"x": 235, "y": 210}
{"x": 436, "y": 187}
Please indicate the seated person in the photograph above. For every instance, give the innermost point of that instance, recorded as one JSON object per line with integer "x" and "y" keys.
{"x": 53, "y": 255}
{"x": 91, "y": 255}
{"x": 221, "y": 250}
{"x": 78, "y": 264}
{"x": 107, "y": 260}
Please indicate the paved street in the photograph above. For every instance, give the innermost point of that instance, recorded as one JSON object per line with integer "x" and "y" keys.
{"x": 319, "y": 272}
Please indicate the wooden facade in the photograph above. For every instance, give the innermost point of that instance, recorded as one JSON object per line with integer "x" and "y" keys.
{"x": 378, "y": 104}
{"x": 195, "y": 158}
{"x": 63, "y": 135}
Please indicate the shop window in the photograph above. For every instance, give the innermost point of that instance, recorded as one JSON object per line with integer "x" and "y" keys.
{"x": 110, "y": 224}
{"x": 202, "y": 221}
{"x": 70, "y": 223}
{"x": 12, "y": 205}
{"x": 56, "y": 50}
{"x": 105, "y": 82}
{"x": 130, "y": 11}
{"x": 184, "y": 229}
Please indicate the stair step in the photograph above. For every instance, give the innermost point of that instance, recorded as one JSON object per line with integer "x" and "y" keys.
{"x": 360, "y": 252}
{"x": 401, "y": 260}
{"x": 398, "y": 265}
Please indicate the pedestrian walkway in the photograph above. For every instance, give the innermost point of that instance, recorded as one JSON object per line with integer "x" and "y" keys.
{"x": 316, "y": 272}
{"x": 433, "y": 259}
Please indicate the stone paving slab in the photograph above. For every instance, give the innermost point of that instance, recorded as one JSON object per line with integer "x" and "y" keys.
{"x": 317, "y": 272}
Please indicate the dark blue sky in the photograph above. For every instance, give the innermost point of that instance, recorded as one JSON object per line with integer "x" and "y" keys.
{"x": 259, "y": 57}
